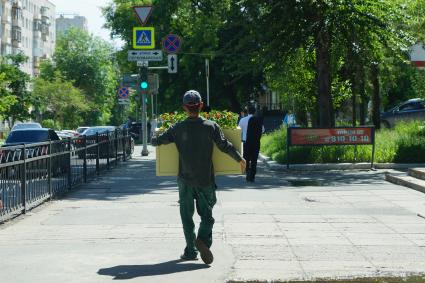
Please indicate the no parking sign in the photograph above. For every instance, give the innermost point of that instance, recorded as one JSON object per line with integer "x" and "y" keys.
{"x": 123, "y": 92}
{"x": 172, "y": 43}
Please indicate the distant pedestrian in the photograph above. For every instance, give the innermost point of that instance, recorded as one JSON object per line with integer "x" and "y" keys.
{"x": 195, "y": 138}
{"x": 252, "y": 129}
{"x": 243, "y": 113}
{"x": 289, "y": 119}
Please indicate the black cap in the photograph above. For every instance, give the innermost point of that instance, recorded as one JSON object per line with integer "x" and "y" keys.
{"x": 192, "y": 97}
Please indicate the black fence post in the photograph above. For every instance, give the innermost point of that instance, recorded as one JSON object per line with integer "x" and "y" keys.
{"x": 49, "y": 171}
{"x": 97, "y": 154}
{"x": 124, "y": 142}
{"x": 85, "y": 159}
{"x": 108, "y": 144}
{"x": 288, "y": 142}
{"x": 116, "y": 147}
{"x": 69, "y": 163}
{"x": 24, "y": 181}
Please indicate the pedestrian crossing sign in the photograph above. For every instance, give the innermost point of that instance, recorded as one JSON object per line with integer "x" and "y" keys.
{"x": 143, "y": 38}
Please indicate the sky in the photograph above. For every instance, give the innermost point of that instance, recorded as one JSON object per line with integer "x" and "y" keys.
{"x": 89, "y": 9}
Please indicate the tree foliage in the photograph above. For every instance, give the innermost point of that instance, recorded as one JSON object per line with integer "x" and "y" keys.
{"x": 15, "y": 98}
{"x": 59, "y": 100}
{"x": 324, "y": 55}
{"x": 87, "y": 61}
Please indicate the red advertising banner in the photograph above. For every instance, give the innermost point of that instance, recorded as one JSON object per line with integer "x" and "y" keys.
{"x": 333, "y": 136}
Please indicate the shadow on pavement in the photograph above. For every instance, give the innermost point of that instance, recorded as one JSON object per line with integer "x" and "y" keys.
{"x": 137, "y": 177}
{"x": 122, "y": 272}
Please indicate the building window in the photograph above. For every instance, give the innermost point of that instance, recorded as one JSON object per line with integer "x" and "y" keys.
{"x": 16, "y": 34}
{"x": 16, "y": 13}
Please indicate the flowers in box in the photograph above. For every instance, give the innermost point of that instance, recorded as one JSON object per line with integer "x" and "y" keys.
{"x": 225, "y": 119}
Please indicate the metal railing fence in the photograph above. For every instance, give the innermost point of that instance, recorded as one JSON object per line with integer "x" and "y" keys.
{"x": 34, "y": 173}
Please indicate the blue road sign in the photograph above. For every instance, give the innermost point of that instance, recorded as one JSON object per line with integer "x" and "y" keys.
{"x": 123, "y": 92}
{"x": 172, "y": 43}
{"x": 143, "y": 38}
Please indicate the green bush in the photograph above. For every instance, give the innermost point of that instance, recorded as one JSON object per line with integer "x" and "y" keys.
{"x": 404, "y": 144}
{"x": 50, "y": 123}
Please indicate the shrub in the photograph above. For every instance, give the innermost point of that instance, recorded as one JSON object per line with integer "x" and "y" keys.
{"x": 225, "y": 119}
{"x": 50, "y": 123}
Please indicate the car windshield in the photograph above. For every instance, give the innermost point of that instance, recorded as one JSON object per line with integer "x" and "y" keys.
{"x": 27, "y": 136}
{"x": 26, "y": 126}
{"x": 81, "y": 129}
{"x": 93, "y": 131}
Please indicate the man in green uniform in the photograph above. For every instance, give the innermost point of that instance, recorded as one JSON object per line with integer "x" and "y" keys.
{"x": 194, "y": 139}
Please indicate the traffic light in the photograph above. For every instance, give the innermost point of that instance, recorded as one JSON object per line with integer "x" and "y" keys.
{"x": 144, "y": 85}
{"x": 144, "y": 82}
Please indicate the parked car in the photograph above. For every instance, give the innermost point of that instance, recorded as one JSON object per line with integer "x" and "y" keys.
{"x": 22, "y": 126}
{"x": 29, "y": 136}
{"x": 80, "y": 130}
{"x": 412, "y": 109}
{"x": 9, "y": 152}
{"x": 91, "y": 131}
{"x": 65, "y": 134}
{"x": 90, "y": 134}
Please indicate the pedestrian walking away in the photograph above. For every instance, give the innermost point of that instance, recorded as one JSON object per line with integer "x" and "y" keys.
{"x": 194, "y": 139}
{"x": 252, "y": 129}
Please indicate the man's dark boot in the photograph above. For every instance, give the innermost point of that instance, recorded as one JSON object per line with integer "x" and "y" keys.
{"x": 206, "y": 254}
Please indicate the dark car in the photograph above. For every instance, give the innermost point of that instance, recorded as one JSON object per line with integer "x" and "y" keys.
{"x": 104, "y": 134}
{"x": 412, "y": 109}
{"x": 23, "y": 126}
{"x": 29, "y": 136}
{"x": 12, "y": 149}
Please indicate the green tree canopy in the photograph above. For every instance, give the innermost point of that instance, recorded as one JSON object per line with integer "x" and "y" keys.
{"x": 87, "y": 61}
{"x": 15, "y": 98}
{"x": 58, "y": 99}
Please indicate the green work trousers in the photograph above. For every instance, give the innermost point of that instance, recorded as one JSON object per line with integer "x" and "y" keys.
{"x": 205, "y": 200}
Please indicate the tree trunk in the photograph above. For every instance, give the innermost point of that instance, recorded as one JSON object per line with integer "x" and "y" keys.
{"x": 326, "y": 112}
{"x": 376, "y": 100}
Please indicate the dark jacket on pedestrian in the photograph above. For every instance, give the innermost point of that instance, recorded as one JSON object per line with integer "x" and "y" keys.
{"x": 254, "y": 132}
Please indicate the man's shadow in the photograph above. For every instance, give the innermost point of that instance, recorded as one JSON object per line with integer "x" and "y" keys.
{"x": 122, "y": 272}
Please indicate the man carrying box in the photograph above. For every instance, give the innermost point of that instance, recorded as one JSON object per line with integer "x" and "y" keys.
{"x": 194, "y": 139}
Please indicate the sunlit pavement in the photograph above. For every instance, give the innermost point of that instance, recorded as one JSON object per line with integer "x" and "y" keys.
{"x": 125, "y": 225}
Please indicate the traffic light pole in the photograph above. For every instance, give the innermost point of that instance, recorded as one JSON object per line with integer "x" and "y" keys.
{"x": 143, "y": 91}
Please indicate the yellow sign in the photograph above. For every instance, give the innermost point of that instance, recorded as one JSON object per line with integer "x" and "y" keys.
{"x": 143, "y": 38}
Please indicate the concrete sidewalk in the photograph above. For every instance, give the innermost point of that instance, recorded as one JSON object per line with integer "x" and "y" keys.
{"x": 126, "y": 226}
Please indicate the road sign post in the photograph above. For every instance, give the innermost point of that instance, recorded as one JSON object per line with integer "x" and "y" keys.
{"x": 207, "y": 74}
{"x": 143, "y": 91}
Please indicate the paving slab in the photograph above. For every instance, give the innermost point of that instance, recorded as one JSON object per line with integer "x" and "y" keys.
{"x": 286, "y": 226}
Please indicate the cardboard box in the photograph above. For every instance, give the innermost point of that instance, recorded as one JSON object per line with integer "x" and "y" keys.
{"x": 167, "y": 157}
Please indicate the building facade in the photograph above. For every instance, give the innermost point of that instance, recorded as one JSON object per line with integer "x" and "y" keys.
{"x": 27, "y": 26}
{"x": 63, "y": 24}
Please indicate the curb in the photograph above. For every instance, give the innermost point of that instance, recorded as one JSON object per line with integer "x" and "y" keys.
{"x": 274, "y": 166}
{"x": 406, "y": 181}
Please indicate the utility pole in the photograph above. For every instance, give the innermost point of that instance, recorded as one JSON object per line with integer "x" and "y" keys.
{"x": 143, "y": 70}
{"x": 207, "y": 74}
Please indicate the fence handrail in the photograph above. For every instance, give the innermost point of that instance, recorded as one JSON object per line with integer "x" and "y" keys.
{"x": 33, "y": 173}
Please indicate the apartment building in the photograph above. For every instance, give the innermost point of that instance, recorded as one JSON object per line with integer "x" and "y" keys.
{"x": 64, "y": 23}
{"x": 27, "y": 26}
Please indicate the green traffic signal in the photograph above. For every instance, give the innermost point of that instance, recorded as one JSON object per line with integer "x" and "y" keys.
{"x": 144, "y": 85}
